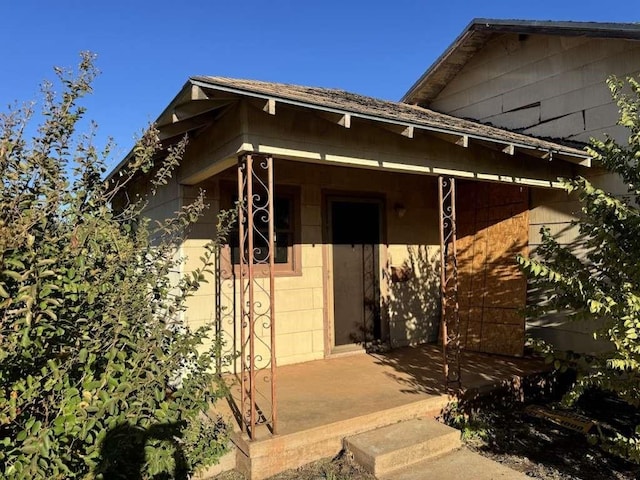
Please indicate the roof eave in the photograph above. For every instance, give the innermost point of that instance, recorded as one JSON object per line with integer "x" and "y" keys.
{"x": 568, "y": 154}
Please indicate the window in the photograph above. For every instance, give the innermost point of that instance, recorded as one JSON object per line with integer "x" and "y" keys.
{"x": 286, "y": 224}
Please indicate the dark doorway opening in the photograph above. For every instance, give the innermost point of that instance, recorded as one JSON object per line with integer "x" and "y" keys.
{"x": 355, "y": 226}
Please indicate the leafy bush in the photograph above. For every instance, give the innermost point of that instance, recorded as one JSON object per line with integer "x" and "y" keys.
{"x": 98, "y": 375}
{"x": 604, "y": 282}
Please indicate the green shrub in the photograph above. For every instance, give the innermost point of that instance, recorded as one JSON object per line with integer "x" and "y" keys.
{"x": 98, "y": 375}
{"x": 604, "y": 283}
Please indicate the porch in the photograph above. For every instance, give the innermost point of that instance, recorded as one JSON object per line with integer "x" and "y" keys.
{"x": 321, "y": 402}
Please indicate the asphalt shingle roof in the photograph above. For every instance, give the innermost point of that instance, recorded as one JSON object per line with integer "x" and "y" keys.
{"x": 355, "y": 104}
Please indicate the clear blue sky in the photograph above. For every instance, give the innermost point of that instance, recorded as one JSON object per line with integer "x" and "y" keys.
{"x": 147, "y": 49}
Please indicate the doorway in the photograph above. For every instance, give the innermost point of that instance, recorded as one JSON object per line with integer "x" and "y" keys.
{"x": 355, "y": 228}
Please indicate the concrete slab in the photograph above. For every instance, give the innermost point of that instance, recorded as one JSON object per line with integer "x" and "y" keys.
{"x": 322, "y": 392}
{"x": 389, "y": 448}
{"x": 323, "y": 401}
{"x": 263, "y": 458}
{"x": 461, "y": 463}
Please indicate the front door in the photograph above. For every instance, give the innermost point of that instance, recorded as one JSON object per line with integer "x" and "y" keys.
{"x": 355, "y": 228}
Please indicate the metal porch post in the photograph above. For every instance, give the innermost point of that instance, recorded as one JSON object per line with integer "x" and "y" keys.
{"x": 450, "y": 321}
{"x": 256, "y": 232}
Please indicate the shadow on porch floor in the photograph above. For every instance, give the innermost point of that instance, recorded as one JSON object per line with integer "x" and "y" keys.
{"x": 331, "y": 390}
{"x": 321, "y": 403}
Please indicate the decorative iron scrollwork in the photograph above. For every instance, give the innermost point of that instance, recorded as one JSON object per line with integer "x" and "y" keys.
{"x": 256, "y": 233}
{"x": 450, "y": 324}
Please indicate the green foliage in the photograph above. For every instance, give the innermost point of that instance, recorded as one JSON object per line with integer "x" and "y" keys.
{"x": 603, "y": 282}
{"x": 467, "y": 419}
{"x": 98, "y": 375}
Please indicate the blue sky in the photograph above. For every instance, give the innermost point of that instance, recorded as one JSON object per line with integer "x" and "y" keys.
{"x": 147, "y": 49}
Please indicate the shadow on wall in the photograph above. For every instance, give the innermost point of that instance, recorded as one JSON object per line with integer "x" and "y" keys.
{"x": 409, "y": 304}
{"x": 567, "y": 329}
{"x": 412, "y": 303}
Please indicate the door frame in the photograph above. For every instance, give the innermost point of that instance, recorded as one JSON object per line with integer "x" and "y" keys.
{"x": 328, "y": 197}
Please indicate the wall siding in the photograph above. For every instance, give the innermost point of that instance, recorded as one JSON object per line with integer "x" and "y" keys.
{"x": 532, "y": 84}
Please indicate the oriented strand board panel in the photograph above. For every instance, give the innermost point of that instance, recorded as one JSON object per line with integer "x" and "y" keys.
{"x": 493, "y": 227}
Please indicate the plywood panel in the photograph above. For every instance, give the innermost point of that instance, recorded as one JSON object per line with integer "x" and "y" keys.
{"x": 493, "y": 226}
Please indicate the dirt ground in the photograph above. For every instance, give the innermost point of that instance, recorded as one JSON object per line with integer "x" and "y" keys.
{"x": 340, "y": 468}
{"x": 544, "y": 450}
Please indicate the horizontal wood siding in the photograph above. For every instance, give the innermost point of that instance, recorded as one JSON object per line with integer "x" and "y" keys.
{"x": 546, "y": 86}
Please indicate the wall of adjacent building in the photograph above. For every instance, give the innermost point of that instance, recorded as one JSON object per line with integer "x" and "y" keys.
{"x": 543, "y": 85}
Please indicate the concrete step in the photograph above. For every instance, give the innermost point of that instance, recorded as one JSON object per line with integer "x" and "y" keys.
{"x": 390, "y": 448}
{"x": 461, "y": 463}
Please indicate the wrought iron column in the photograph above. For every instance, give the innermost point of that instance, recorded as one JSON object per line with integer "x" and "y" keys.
{"x": 256, "y": 251}
{"x": 450, "y": 323}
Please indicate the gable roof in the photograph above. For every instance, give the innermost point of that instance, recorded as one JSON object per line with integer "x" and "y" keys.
{"x": 372, "y": 109}
{"x": 476, "y": 35}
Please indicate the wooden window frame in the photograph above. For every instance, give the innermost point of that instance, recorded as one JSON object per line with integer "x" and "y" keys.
{"x": 293, "y": 267}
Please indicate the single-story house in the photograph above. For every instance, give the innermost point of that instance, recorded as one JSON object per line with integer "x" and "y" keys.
{"x": 349, "y": 205}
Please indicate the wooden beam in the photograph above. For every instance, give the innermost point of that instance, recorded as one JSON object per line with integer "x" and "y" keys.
{"x": 405, "y": 131}
{"x": 463, "y": 141}
{"x": 457, "y": 139}
{"x": 344, "y": 120}
{"x": 198, "y": 93}
{"x": 509, "y": 149}
{"x": 408, "y": 132}
{"x": 270, "y": 106}
{"x": 191, "y": 109}
{"x": 192, "y": 122}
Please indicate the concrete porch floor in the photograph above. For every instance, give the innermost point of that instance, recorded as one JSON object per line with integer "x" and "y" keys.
{"x": 323, "y": 401}
{"x": 326, "y": 391}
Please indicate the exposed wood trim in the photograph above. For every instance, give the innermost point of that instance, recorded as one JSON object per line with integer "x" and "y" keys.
{"x": 398, "y": 126}
{"x": 198, "y": 93}
{"x": 270, "y": 106}
{"x": 345, "y": 120}
{"x": 509, "y": 149}
{"x": 342, "y": 119}
{"x": 463, "y": 141}
{"x": 456, "y": 139}
{"x": 367, "y": 163}
{"x": 187, "y": 124}
{"x": 408, "y": 132}
{"x": 404, "y": 130}
{"x": 192, "y": 109}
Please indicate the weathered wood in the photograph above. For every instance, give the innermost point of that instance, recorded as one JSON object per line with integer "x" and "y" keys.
{"x": 492, "y": 230}
{"x": 270, "y": 106}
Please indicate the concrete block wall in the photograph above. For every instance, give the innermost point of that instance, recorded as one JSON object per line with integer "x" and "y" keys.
{"x": 411, "y": 307}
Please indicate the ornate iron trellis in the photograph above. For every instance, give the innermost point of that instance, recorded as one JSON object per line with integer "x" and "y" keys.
{"x": 371, "y": 295}
{"x": 450, "y": 323}
{"x": 256, "y": 253}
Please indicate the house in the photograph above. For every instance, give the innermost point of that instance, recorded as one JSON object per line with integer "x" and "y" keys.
{"x": 345, "y": 235}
